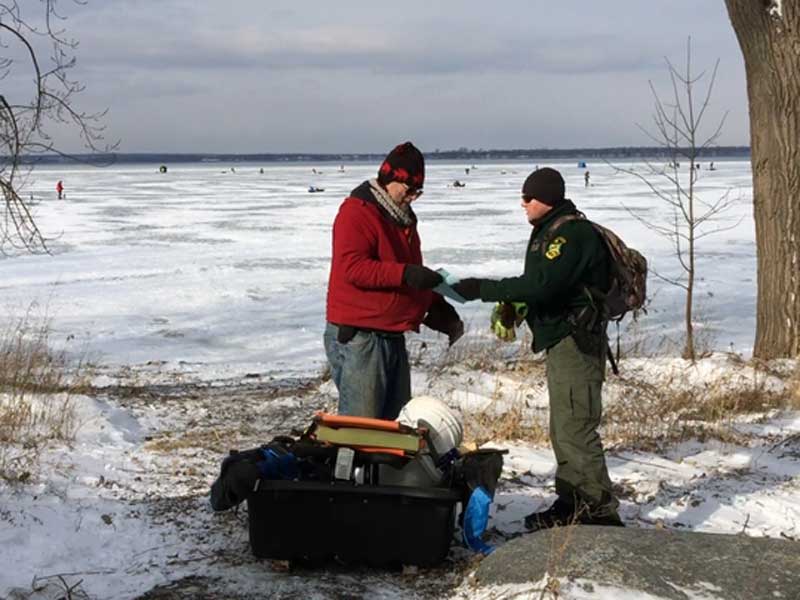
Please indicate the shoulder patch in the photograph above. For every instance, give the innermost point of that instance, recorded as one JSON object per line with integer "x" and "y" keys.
{"x": 554, "y": 249}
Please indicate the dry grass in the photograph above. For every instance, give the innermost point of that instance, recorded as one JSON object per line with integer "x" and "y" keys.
{"x": 488, "y": 425}
{"x": 217, "y": 440}
{"x": 37, "y": 389}
{"x": 645, "y": 415}
{"x": 478, "y": 352}
{"x": 650, "y": 416}
{"x": 560, "y": 539}
{"x": 506, "y": 416}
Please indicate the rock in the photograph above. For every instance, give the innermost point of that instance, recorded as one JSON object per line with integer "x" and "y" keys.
{"x": 664, "y": 563}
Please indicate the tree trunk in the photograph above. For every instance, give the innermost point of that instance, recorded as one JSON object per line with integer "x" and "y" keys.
{"x": 688, "y": 349}
{"x": 770, "y": 43}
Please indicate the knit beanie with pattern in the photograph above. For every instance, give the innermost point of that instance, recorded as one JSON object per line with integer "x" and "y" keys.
{"x": 405, "y": 164}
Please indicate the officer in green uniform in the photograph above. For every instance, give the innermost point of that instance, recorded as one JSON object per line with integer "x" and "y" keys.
{"x": 565, "y": 260}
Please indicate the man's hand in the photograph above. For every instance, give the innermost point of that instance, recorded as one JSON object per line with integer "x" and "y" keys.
{"x": 469, "y": 289}
{"x": 455, "y": 332}
{"x": 421, "y": 278}
{"x": 442, "y": 317}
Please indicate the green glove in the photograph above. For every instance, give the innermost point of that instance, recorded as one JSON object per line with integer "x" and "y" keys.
{"x": 520, "y": 312}
{"x": 506, "y": 316}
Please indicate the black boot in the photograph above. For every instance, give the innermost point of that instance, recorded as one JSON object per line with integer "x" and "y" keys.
{"x": 559, "y": 514}
{"x": 608, "y": 520}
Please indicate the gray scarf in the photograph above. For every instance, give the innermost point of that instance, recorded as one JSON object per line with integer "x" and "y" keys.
{"x": 399, "y": 212}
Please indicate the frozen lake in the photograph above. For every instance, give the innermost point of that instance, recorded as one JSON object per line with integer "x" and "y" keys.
{"x": 227, "y": 272}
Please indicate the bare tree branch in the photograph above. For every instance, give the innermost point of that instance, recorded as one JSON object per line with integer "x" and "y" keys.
{"x": 669, "y": 280}
{"x": 719, "y": 229}
{"x": 25, "y": 121}
{"x": 677, "y": 127}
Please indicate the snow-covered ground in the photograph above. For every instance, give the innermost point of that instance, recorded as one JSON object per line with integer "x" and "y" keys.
{"x": 124, "y": 508}
{"x": 200, "y": 295}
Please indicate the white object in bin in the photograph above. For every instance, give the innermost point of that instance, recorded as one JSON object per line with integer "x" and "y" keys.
{"x": 444, "y": 426}
{"x": 445, "y": 431}
{"x": 358, "y": 475}
{"x": 344, "y": 463}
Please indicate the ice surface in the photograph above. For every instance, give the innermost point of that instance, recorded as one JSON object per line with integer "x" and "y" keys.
{"x": 229, "y": 270}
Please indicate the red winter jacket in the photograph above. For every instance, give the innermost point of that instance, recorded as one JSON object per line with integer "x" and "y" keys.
{"x": 370, "y": 251}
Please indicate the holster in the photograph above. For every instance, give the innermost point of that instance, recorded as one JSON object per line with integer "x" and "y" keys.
{"x": 589, "y": 330}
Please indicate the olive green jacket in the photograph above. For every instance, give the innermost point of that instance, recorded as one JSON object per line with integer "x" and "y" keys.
{"x": 555, "y": 279}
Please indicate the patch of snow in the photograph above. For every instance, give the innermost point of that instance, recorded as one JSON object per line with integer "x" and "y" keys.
{"x": 572, "y": 589}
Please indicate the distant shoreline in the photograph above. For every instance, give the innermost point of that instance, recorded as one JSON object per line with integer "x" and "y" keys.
{"x": 627, "y": 152}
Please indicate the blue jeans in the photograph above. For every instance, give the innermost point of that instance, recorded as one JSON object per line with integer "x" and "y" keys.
{"x": 370, "y": 371}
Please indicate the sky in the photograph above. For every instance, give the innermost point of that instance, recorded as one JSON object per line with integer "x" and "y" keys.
{"x": 357, "y": 76}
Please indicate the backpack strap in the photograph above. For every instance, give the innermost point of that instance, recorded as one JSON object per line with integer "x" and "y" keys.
{"x": 550, "y": 232}
{"x": 594, "y": 294}
{"x": 610, "y": 356}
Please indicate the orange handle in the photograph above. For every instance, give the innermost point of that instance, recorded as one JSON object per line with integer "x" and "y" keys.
{"x": 362, "y": 422}
{"x": 393, "y": 451}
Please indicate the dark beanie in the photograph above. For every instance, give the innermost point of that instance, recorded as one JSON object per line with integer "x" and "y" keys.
{"x": 404, "y": 164}
{"x": 546, "y": 185}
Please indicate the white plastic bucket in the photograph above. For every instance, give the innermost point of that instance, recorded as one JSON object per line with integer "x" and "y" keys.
{"x": 444, "y": 425}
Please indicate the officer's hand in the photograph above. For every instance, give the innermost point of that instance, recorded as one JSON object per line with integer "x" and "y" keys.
{"x": 469, "y": 289}
{"x": 421, "y": 278}
{"x": 502, "y": 321}
{"x": 505, "y": 314}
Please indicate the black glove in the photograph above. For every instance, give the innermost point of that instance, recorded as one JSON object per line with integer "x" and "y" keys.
{"x": 421, "y": 278}
{"x": 469, "y": 289}
{"x": 455, "y": 332}
{"x": 442, "y": 317}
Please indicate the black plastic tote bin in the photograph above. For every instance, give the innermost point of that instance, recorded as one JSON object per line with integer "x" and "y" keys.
{"x": 374, "y": 525}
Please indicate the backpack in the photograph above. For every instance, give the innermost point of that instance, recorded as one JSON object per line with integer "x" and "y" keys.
{"x": 628, "y": 291}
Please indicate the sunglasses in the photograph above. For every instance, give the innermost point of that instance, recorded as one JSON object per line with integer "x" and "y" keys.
{"x": 413, "y": 192}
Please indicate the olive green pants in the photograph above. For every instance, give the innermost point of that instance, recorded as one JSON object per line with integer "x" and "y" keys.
{"x": 575, "y": 384}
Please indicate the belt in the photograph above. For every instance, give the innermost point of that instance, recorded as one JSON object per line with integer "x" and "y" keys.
{"x": 344, "y": 330}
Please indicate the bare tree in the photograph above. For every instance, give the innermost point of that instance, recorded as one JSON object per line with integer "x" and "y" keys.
{"x": 769, "y": 36}
{"x": 677, "y": 128}
{"x": 27, "y": 114}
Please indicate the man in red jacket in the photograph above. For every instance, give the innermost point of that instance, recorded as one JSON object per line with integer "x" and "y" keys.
{"x": 379, "y": 289}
